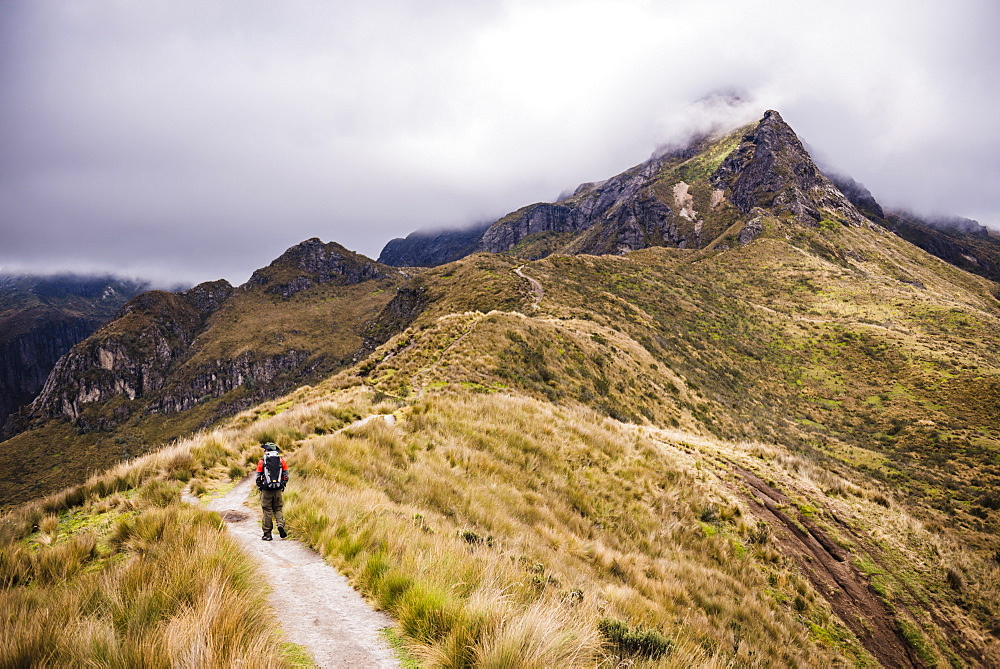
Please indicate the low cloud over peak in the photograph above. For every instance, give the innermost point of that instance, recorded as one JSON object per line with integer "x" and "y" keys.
{"x": 186, "y": 141}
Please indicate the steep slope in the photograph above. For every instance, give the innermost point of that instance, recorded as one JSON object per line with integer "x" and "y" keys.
{"x": 959, "y": 241}
{"x": 690, "y": 198}
{"x": 172, "y": 362}
{"x": 428, "y": 249}
{"x": 842, "y": 347}
{"x": 41, "y": 318}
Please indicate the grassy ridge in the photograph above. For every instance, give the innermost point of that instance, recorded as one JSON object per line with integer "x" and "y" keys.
{"x": 567, "y": 487}
{"x": 118, "y": 572}
{"x": 499, "y": 527}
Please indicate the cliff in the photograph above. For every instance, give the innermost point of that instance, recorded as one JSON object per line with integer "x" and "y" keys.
{"x": 432, "y": 248}
{"x": 167, "y": 353}
{"x": 41, "y": 318}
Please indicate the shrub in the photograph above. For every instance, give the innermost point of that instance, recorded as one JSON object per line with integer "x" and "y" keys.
{"x": 634, "y": 641}
{"x": 160, "y": 493}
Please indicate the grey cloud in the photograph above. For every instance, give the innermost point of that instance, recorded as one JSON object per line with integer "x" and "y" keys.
{"x": 190, "y": 140}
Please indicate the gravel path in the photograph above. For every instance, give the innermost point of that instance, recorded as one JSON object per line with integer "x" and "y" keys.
{"x": 316, "y": 605}
{"x": 536, "y": 287}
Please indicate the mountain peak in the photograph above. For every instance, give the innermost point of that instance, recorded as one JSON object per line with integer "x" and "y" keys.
{"x": 314, "y": 262}
{"x": 771, "y": 169}
{"x": 686, "y": 198}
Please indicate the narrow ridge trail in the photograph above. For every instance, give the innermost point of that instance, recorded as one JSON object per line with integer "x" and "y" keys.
{"x": 315, "y": 604}
{"x": 536, "y": 286}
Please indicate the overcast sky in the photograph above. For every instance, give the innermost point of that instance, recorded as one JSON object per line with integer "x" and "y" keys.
{"x": 197, "y": 139}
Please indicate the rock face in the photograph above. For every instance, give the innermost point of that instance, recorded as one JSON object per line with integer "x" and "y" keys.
{"x": 132, "y": 356}
{"x": 430, "y": 249}
{"x": 689, "y": 198}
{"x": 771, "y": 169}
{"x": 27, "y": 359}
{"x": 41, "y": 318}
{"x": 631, "y": 215}
{"x": 859, "y": 196}
{"x": 312, "y": 263}
{"x": 959, "y": 241}
{"x": 151, "y": 357}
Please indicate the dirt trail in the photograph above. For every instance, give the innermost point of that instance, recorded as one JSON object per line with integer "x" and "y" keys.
{"x": 316, "y": 605}
{"x": 536, "y": 286}
{"x": 833, "y": 575}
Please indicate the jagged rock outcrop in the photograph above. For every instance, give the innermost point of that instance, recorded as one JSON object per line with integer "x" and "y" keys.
{"x": 149, "y": 359}
{"x": 312, "y": 263}
{"x": 41, "y": 318}
{"x": 771, "y": 169}
{"x": 432, "y": 248}
{"x": 631, "y": 215}
{"x": 751, "y": 231}
{"x": 685, "y": 199}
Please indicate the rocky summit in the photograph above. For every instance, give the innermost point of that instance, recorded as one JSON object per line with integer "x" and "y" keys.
{"x": 716, "y": 192}
{"x": 685, "y": 199}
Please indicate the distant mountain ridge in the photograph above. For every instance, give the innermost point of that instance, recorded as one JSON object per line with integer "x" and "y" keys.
{"x": 172, "y": 362}
{"x": 959, "y": 241}
{"x": 689, "y": 198}
{"x": 150, "y": 351}
{"x": 431, "y": 248}
{"x": 42, "y": 317}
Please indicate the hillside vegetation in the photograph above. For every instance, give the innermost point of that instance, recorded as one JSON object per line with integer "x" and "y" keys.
{"x": 174, "y": 363}
{"x": 778, "y": 446}
{"x": 668, "y": 462}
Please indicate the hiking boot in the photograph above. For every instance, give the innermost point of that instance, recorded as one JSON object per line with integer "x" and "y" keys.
{"x": 266, "y": 537}
{"x": 281, "y": 532}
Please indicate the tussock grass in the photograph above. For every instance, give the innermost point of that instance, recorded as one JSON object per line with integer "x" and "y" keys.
{"x": 118, "y": 572}
{"x": 572, "y": 519}
{"x": 165, "y": 587}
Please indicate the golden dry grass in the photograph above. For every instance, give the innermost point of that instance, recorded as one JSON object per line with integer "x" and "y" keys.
{"x": 498, "y": 527}
{"x": 118, "y": 572}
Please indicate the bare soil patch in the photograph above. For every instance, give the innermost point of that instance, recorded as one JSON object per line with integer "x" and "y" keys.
{"x": 828, "y": 568}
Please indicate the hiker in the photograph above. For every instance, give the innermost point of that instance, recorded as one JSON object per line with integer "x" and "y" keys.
{"x": 272, "y": 476}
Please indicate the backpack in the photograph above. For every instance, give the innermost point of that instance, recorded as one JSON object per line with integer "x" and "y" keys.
{"x": 271, "y": 478}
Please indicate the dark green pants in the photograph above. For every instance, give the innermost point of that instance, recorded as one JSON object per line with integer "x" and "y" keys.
{"x": 270, "y": 501}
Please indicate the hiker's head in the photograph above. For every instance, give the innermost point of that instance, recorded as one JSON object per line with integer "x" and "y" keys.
{"x": 270, "y": 446}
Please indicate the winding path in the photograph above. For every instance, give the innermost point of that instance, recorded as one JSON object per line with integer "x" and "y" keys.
{"x": 315, "y": 603}
{"x": 536, "y": 286}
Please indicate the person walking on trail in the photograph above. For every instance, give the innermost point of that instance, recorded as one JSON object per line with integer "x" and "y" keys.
{"x": 272, "y": 476}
